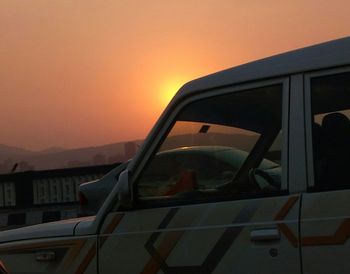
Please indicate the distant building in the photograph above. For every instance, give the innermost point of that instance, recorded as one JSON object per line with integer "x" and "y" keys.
{"x": 99, "y": 159}
{"x": 33, "y": 197}
{"x": 116, "y": 159}
{"x": 73, "y": 164}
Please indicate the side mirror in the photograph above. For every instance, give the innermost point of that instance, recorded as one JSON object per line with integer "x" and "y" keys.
{"x": 124, "y": 189}
{"x": 121, "y": 195}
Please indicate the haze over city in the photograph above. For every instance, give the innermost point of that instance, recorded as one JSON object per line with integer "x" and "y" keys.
{"x": 88, "y": 73}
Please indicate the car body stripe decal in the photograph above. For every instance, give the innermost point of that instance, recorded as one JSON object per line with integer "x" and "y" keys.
{"x": 164, "y": 250}
{"x": 228, "y": 237}
{"x": 92, "y": 252}
{"x": 170, "y": 239}
{"x": 73, "y": 253}
{"x": 281, "y": 215}
{"x": 161, "y": 253}
{"x": 88, "y": 258}
{"x": 286, "y": 208}
{"x": 111, "y": 227}
{"x": 3, "y": 269}
{"x": 341, "y": 235}
{"x": 156, "y": 260}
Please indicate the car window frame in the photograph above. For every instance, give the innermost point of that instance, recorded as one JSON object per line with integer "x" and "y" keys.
{"x": 310, "y": 186}
{"x": 166, "y": 123}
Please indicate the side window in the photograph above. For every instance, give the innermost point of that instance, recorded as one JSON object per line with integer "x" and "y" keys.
{"x": 330, "y": 97}
{"x": 227, "y": 145}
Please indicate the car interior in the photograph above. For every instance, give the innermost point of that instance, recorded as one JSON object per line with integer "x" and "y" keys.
{"x": 331, "y": 131}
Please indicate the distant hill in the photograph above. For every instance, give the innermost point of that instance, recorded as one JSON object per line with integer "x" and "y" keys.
{"x": 10, "y": 150}
{"x": 56, "y": 157}
{"x": 52, "y": 150}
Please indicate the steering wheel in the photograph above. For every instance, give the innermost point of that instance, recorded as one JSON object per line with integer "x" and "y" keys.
{"x": 254, "y": 172}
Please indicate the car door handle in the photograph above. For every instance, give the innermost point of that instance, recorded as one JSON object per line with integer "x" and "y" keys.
{"x": 265, "y": 234}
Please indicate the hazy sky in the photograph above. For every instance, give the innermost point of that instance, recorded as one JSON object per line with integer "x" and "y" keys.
{"x": 80, "y": 73}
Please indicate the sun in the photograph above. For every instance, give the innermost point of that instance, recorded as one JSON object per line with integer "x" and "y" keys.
{"x": 169, "y": 89}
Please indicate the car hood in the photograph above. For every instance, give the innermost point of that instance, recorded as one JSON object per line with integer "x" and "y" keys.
{"x": 47, "y": 230}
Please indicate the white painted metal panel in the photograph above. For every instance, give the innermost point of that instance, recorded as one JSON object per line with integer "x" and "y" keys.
{"x": 77, "y": 182}
{"x": 35, "y": 192}
{"x": 55, "y": 190}
{"x": 43, "y": 191}
{"x": 68, "y": 193}
{"x": 10, "y": 194}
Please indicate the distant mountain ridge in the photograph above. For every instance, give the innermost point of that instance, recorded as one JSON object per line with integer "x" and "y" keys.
{"x": 57, "y": 157}
{"x": 52, "y": 150}
{"x": 11, "y": 150}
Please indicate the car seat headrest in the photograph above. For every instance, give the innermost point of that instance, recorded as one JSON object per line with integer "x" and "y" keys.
{"x": 335, "y": 121}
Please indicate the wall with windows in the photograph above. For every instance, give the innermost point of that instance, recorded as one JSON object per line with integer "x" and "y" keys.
{"x": 34, "y": 197}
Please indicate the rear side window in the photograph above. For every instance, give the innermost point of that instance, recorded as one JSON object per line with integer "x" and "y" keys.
{"x": 330, "y": 97}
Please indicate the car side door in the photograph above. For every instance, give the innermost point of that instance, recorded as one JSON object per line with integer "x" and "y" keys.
{"x": 244, "y": 223}
{"x": 325, "y": 213}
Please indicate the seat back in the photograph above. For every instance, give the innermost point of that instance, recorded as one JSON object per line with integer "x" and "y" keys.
{"x": 334, "y": 151}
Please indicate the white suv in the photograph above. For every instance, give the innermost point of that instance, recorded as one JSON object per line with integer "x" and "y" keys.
{"x": 292, "y": 109}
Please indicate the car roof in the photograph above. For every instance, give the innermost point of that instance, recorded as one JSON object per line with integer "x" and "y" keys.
{"x": 329, "y": 54}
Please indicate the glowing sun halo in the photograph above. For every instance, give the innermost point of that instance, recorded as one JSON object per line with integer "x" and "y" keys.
{"x": 169, "y": 89}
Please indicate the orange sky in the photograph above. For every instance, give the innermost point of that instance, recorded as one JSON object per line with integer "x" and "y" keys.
{"x": 91, "y": 72}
